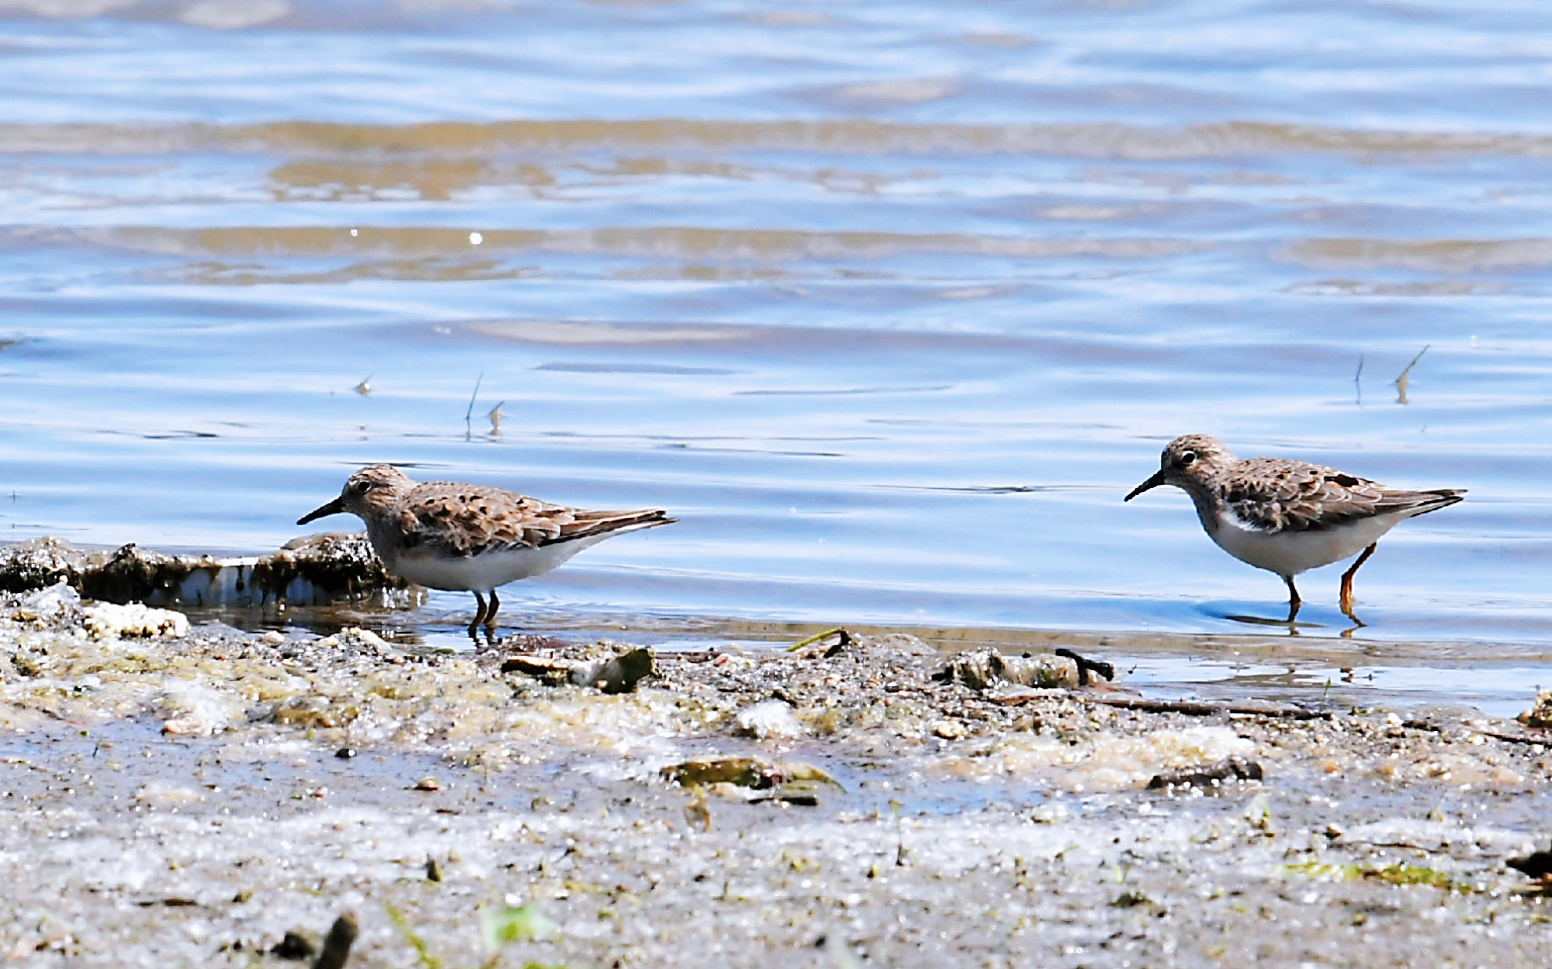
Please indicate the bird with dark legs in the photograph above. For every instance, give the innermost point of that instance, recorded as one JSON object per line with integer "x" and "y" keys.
{"x": 472, "y": 538}
{"x": 1288, "y": 516}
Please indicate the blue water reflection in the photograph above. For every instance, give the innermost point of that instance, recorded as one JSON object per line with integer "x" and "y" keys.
{"x": 889, "y": 303}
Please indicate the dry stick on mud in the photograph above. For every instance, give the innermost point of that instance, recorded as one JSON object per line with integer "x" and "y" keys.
{"x": 1195, "y": 709}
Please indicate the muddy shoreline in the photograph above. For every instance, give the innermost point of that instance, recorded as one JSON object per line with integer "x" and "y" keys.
{"x": 189, "y": 800}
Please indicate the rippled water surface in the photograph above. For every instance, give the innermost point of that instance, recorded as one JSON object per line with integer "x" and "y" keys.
{"x": 889, "y": 302}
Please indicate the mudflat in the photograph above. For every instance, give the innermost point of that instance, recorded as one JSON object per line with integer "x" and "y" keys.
{"x": 172, "y": 797}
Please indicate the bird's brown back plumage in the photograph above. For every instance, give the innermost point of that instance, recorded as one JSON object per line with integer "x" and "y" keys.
{"x": 470, "y": 519}
{"x": 1280, "y": 494}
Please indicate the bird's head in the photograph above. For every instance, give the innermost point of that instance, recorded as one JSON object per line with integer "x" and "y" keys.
{"x": 372, "y": 490}
{"x": 1187, "y": 461}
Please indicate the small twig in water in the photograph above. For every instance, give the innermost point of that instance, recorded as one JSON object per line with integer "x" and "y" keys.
{"x": 1192, "y": 708}
{"x": 899, "y": 835}
{"x": 1358, "y": 383}
{"x": 468, "y": 415}
{"x": 816, "y": 637}
{"x": 1401, "y": 381}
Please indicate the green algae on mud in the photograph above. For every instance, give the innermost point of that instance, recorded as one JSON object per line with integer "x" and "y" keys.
{"x": 180, "y": 801}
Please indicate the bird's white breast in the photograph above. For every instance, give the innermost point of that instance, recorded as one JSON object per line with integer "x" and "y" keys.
{"x": 485, "y": 571}
{"x": 1290, "y": 552}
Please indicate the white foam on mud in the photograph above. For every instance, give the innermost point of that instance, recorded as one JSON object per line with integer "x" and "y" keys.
{"x": 770, "y": 720}
{"x": 195, "y": 709}
{"x": 1429, "y": 835}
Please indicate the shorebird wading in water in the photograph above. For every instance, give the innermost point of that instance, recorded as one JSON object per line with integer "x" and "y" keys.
{"x": 1288, "y": 516}
{"x": 470, "y": 538}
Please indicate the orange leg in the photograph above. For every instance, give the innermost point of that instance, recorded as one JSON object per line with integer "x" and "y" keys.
{"x": 1294, "y": 602}
{"x": 1347, "y": 583}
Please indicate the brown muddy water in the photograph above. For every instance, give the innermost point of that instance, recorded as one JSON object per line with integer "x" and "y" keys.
{"x": 890, "y": 303}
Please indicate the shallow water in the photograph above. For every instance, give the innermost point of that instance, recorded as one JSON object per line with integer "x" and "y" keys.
{"x": 889, "y": 302}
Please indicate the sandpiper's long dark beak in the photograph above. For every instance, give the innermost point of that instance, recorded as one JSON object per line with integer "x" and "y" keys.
{"x": 335, "y": 507}
{"x": 1152, "y": 482}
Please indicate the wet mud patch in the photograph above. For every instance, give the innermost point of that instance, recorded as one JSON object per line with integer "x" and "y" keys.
{"x": 172, "y": 800}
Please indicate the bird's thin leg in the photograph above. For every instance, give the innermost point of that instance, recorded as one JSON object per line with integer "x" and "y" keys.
{"x": 490, "y": 617}
{"x": 1294, "y": 602}
{"x": 479, "y": 618}
{"x": 1347, "y": 583}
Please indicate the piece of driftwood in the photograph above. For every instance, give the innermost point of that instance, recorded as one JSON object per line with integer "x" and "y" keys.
{"x": 1528, "y": 736}
{"x": 985, "y": 669}
{"x": 1193, "y": 708}
{"x": 617, "y": 674}
{"x": 691, "y": 655}
{"x": 1203, "y": 775}
{"x": 1087, "y": 666}
{"x": 1515, "y": 738}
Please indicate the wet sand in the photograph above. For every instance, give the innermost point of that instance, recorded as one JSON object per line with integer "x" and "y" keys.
{"x": 189, "y": 801}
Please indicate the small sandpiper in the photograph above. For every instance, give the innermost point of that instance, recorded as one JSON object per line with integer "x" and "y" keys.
{"x": 471, "y": 538}
{"x": 1288, "y": 516}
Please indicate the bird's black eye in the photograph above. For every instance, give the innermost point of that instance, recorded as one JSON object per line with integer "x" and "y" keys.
{"x": 1187, "y": 458}
{"x": 362, "y": 487}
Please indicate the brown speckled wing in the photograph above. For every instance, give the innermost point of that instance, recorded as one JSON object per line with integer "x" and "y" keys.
{"x": 468, "y": 519}
{"x": 1275, "y": 494}
{"x": 1279, "y": 495}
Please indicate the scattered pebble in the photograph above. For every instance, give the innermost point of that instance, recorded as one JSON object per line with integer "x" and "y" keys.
{"x": 1540, "y": 713}
{"x": 294, "y": 947}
